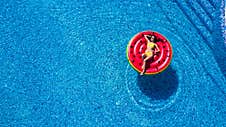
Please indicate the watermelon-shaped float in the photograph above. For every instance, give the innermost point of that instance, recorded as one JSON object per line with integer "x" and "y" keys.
{"x": 160, "y": 60}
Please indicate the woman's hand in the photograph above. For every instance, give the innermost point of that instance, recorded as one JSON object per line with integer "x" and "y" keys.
{"x": 158, "y": 50}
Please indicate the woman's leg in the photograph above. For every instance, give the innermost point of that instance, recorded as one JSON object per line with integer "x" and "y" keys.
{"x": 144, "y": 64}
{"x": 143, "y": 57}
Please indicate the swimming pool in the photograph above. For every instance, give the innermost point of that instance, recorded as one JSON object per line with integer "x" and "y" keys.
{"x": 63, "y": 63}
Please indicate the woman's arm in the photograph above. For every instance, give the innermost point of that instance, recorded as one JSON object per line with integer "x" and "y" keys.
{"x": 158, "y": 50}
{"x": 146, "y": 37}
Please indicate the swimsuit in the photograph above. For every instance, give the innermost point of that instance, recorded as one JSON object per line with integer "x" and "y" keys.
{"x": 148, "y": 52}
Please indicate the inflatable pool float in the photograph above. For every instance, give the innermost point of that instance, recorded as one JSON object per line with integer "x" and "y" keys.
{"x": 160, "y": 60}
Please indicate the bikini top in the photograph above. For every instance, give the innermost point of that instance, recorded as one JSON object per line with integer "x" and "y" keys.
{"x": 151, "y": 45}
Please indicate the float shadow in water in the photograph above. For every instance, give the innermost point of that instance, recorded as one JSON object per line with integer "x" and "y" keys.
{"x": 160, "y": 86}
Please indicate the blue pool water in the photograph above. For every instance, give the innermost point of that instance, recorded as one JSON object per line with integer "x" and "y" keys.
{"x": 63, "y": 63}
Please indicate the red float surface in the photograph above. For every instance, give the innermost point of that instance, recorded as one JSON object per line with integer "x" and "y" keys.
{"x": 160, "y": 61}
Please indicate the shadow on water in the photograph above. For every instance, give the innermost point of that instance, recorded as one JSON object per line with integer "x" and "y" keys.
{"x": 160, "y": 86}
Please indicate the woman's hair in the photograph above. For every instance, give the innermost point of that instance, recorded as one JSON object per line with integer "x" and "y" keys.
{"x": 149, "y": 37}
